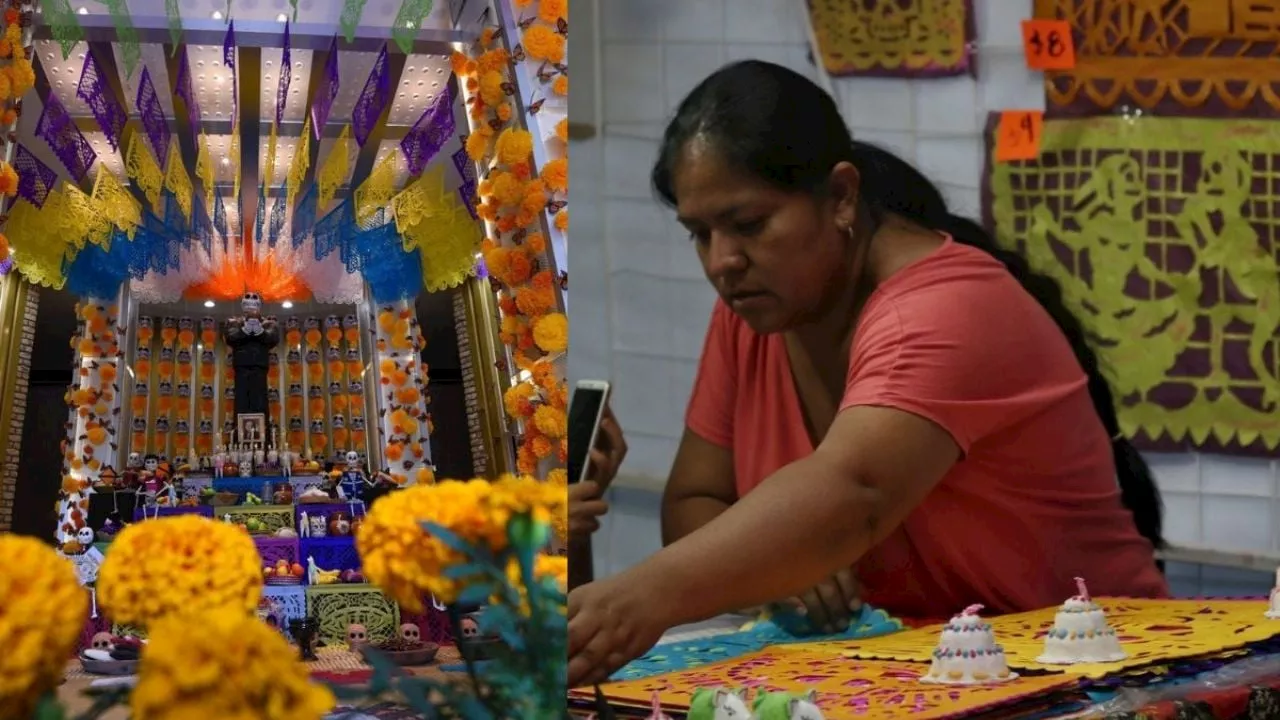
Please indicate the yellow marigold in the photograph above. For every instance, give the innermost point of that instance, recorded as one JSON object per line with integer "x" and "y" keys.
{"x": 22, "y": 76}
{"x": 491, "y": 87}
{"x": 495, "y": 59}
{"x": 550, "y": 420}
{"x": 504, "y": 111}
{"x": 506, "y": 187}
{"x": 518, "y": 400}
{"x": 551, "y": 332}
{"x": 544, "y": 566}
{"x": 225, "y": 664}
{"x": 542, "y": 43}
{"x": 556, "y": 174}
{"x": 186, "y": 565}
{"x": 549, "y": 11}
{"x": 513, "y": 146}
{"x": 558, "y": 477}
{"x": 487, "y": 35}
{"x": 562, "y": 221}
{"x": 560, "y": 86}
{"x": 461, "y": 64}
{"x": 562, "y": 129}
{"x": 42, "y": 608}
{"x": 478, "y": 143}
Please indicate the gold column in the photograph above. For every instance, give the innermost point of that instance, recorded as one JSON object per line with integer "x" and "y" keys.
{"x": 18, "y": 304}
{"x": 476, "y": 312}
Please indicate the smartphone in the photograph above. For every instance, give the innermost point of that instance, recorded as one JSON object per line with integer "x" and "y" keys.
{"x": 586, "y": 411}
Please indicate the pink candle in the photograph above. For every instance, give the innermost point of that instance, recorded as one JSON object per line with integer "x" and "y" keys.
{"x": 972, "y": 610}
{"x": 1082, "y": 589}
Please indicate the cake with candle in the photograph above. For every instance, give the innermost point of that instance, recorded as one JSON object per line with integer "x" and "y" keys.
{"x": 1080, "y": 633}
{"x": 1273, "y": 612}
{"x": 967, "y": 653}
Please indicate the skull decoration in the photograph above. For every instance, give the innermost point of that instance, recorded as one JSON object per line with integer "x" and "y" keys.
{"x": 357, "y": 635}
{"x": 166, "y": 387}
{"x": 84, "y": 536}
{"x": 206, "y": 357}
{"x": 144, "y": 321}
{"x": 229, "y": 392}
{"x": 353, "y": 459}
{"x": 151, "y": 464}
{"x": 411, "y": 633}
{"x": 143, "y": 353}
{"x": 208, "y": 322}
{"x": 357, "y": 422}
{"x": 139, "y": 425}
{"x": 339, "y": 422}
{"x": 184, "y": 356}
{"x": 162, "y": 423}
{"x": 228, "y": 426}
{"x": 295, "y": 424}
{"x": 313, "y": 356}
{"x": 312, "y": 323}
{"x": 891, "y": 20}
{"x": 141, "y": 389}
{"x": 332, "y": 354}
{"x": 206, "y": 391}
{"x": 291, "y": 323}
{"x": 182, "y": 426}
{"x": 315, "y": 391}
{"x": 206, "y": 426}
{"x": 317, "y": 426}
{"x": 470, "y": 629}
{"x": 168, "y": 323}
{"x": 355, "y": 387}
{"x": 335, "y": 388}
{"x": 251, "y": 303}
{"x": 293, "y": 357}
{"x": 135, "y": 460}
{"x": 101, "y": 641}
{"x": 295, "y": 389}
{"x": 350, "y": 320}
{"x": 273, "y": 358}
{"x": 166, "y": 354}
{"x": 331, "y": 321}
{"x": 186, "y": 323}
{"x": 353, "y": 354}
{"x": 273, "y": 395}
{"x": 184, "y": 389}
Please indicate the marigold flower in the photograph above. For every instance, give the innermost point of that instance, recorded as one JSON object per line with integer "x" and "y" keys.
{"x": 562, "y": 221}
{"x": 42, "y": 609}
{"x": 556, "y": 174}
{"x": 560, "y": 86}
{"x": 225, "y": 664}
{"x": 513, "y": 146}
{"x": 550, "y": 421}
{"x": 549, "y": 11}
{"x": 542, "y": 43}
{"x": 551, "y": 332}
{"x": 8, "y": 180}
{"x": 186, "y": 565}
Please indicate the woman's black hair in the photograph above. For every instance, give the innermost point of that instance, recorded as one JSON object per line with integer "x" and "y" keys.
{"x": 777, "y": 125}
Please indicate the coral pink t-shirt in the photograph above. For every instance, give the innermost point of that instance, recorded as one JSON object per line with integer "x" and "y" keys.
{"x": 953, "y": 338}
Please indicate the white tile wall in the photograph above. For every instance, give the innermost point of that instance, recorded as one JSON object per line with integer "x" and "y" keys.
{"x": 641, "y": 304}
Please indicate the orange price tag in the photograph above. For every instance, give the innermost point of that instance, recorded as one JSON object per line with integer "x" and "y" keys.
{"x": 1048, "y": 44}
{"x": 1018, "y": 136}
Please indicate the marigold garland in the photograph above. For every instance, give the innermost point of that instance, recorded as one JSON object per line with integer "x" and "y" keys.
{"x": 42, "y": 609}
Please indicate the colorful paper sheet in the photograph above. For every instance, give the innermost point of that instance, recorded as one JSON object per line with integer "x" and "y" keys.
{"x": 845, "y": 689}
{"x": 1151, "y": 631}
{"x": 1163, "y": 235}
{"x": 676, "y": 656}
{"x": 898, "y": 38}
{"x": 1174, "y": 57}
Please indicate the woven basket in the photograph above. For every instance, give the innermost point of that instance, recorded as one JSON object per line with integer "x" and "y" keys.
{"x": 224, "y": 499}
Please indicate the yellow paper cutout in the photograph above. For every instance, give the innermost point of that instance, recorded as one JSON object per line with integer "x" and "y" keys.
{"x": 300, "y": 162}
{"x": 141, "y": 167}
{"x": 177, "y": 181}
{"x": 1160, "y": 232}
{"x": 332, "y": 173}
{"x": 115, "y": 203}
{"x": 377, "y": 189}
{"x": 907, "y": 36}
{"x": 418, "y": 201}
{"x": 78, "y": 219}
{"x": 38, "y": 252}
{"x": 446, "y": 235}
{"x": 845, "y": 689}
{"x": 1185, "y": 53}
{"x": 204, "y": 168}
{"x": 1150, "y": 631}
{"x": 269, "y": 166}
{"x": 234, "y": 154}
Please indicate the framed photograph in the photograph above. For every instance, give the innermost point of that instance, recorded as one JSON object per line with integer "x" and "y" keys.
{"x": 251, "y": 428}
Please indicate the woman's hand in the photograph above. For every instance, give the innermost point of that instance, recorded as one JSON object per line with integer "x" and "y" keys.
{"x": 585, "y": 509}
{"x": 829, "y": 606}
{"x": 611, "y": 623}
{"x": 609, "y": 452}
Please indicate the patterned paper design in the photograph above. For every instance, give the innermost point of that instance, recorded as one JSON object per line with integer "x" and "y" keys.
{"x": 1181, "y": 57}
{"x": 845, "y": 689}
{"x": 1150, "y": 631}
{"x": 898, "y": 38}
{"x": 1163, "y": 234}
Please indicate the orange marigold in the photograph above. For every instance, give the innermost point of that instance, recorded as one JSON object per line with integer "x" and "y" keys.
{"x": 562, "y": 129}
{"x": 549, "y": 11}
{"x": 562, "y": 221}
{"x": 556, "y": 174}
{"x": 542, "y": 43}
{"x": 560, "y": 86}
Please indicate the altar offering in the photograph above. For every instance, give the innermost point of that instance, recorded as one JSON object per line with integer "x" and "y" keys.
{"x": 967, "y": 653}
{"x": 1081, "y": 633}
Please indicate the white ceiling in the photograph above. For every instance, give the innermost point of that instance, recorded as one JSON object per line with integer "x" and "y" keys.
{"x": 377, "y": 13}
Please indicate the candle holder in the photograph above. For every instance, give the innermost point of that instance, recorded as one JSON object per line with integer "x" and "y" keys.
{"x": 304, "y": 632}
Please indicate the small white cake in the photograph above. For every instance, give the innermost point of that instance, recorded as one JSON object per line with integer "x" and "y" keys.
{"x": 967, "y": 653}
{"x": 1080, "y": 633}
{"x": 1273, "y": 612}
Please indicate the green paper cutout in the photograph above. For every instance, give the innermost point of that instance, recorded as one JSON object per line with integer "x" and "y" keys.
{"x": 408, "y": 21}
{"x": 350, "y": 20}
{"x": 294, "y": 4}
{"x": 126, "y": 35}
{"x": 64, "y": 26}
{"x": 174, "y": 16}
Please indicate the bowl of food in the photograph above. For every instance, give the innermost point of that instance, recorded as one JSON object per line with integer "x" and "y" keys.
{"x": 119, "y": 659}
{"x": 403, "y": 652}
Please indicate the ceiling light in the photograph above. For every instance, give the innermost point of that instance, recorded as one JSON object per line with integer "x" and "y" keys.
{"x": 83, "y": 10}
{"x": 287, "y": 304}
{"x": 217, "y": 14}
{"x": 226, "y": 161}
{"x": 282, "y": 18}
{"x": 209, "y": 303}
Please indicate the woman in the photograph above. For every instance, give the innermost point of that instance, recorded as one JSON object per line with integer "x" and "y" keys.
{"x": 884, "y": 396}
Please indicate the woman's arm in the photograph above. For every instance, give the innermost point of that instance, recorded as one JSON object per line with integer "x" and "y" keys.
{"x": 700, "y": 487}
{"x": 808, "y": 520}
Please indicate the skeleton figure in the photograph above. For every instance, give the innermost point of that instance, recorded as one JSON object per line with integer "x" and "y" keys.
{"x": 150, "y": 481}
{"x": 246, "y": 467}
{"x": 252, "y": 340}
{"x": 219, "y": 460}
{"x": 353, "y": 480}
{"x": 258, "y": 455}
{"x": 411, "y": 634}
{"x": 135, "y": 461}
{"x": 286, "y": 460}
{"x": 357, "y": 635}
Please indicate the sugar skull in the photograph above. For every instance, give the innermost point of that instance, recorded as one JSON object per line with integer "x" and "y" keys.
{"x": 84, "y": 536}
{"x": 143, "y": 353}
{"x": 101, "y": 641}
{"x": 206, "y": 357}
{"x": 291, "y": 323}
{"x": 332, "y": 321}
{"x": 357, "y": 635}
{"x": 470, "y": 628}
{"x": 251, "y": 303}
{"x": 135, "y": 460}
{"x": 411, "y": 633}
{"x": 335, "y": 388}
{"x": 355, "y": 387}
{"x": 184, "y": 389}
{"x": 353, "y": 459}
{"x": 317, "y": 426}
{"x": 315, "y": 391}
{"x": 206, "y": 391}
{"x": 184, "y": 356}
{"x": 168, "y": 323}
{"x": 273, "y": 359}
{"x": 139, "y": 424}
{"x": 208, "y": 323}
{"x": 166, "y": 354}
{"x": 295, "y": 424}
{"x": 145, "y": 321}
{"x": 333, "y": 354}
{"x": 141, "y": 389}
{"x": 162, "y": 424}
{"x": 273, "y": 395}
{"x": 350, "y": 320}
{"x": 339, "y": 422}
{"x": 295, "y": 389}
{"x": 186, "y": 323}
{"x": 357, "y": 423}
{"x": 206, "y": 426}
{"x": 313, "y": 356}
{"x": 293, "y": 357}
{"x": 182, "y": 426}
{"x": 312, "y": 323}
{"x": 166, "y": 387}
{"x": 229, "y": 392}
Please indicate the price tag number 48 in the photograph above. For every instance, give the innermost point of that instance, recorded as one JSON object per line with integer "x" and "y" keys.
{"x": 1048, "y": 44}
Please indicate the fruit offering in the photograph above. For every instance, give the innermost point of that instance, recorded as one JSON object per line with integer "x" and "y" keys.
{"x": 283, "y": 572}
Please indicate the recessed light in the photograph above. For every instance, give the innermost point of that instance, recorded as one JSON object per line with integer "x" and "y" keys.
{"x": 83, "y": 10}
{"x": 209, "y": 303}
{"x": 226, "y": 161}
{"x": 217, "y": 14}
{"x": 282, "y": 18}
{"x": 286, "y": 304}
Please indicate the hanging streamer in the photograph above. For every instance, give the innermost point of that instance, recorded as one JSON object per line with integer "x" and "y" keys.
{"x": 390, "y": 274}
{"x": 407, "y": 23}
{"x": 115, "y": 202}
{"x": 229, "y": 59}
{"x": 177, "y": 181}
{"x": 174, "y": 16}
{"x": 153, "y": 120}
{"x": 64, "y": 26}
{"x": 98, "y": 271}
{"x": 286, "y": 77}
{"x": 304, "y": 216}
{"x": 276, "y": 222}
{"x": 260, "y": 215}
{"x": 35, "y": 179}
{"x": 467, "y": 191}
{"x": 141, "y": 167}
{"x": 350, "y": 20}
{"x": 95, "y": 92}
{"x": 377, "y": 189}
{"x": 220, "y": 220}
{"x": 328, "y": 231}
{"x": 333, "y": 171}
{"x": 126, "y": 35}
{"x": 300, "y": 162}
{"x": 328, "y": 90}
{"x": 373, "y": 98}
{"x": 433, "y": 221}
{"x": 186, "y": 91}
{"x": 432, "y": 130}
{"x": 58, "y": 129}
{"x": 204, "y": 168}
{"x": 202, "y": 227}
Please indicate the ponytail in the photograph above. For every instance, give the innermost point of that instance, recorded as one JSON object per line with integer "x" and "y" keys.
{"x": 901, "y": 190}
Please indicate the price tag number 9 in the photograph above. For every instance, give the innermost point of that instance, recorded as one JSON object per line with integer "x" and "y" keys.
{"x": 1018, "y": 135}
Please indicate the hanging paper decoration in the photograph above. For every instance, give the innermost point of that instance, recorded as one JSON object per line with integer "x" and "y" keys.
{"x": 260, "y": 215}
{"x": 407, "y": 23}
{"x": 328, "y": 231}
{"x": 229, "y": 60}
{"x": 300, "y": 162}
{"x": 95, "y": 93}
{"x": 429, "y": 133}
{"x": 204, "y": 168}
{"x": 333, "y": 171}
{"x": 174, "y": 16}
{"x": 39, "y": 249}
{"x": 141, "y": 167}
{"x": 126, "y": 35}
{"x": 177, "y": 181}
{"x": 57, "y": 128}
{"x": 390, "y": 274}
{"x": 153, "y": 120}
{"x": 447, "y": 237}
{"x": 897, "y": 38}
{"x": 269, "y": 162}
{"x": 175, "y": 221}
{"x": 373, "y": 99}
{"x": 304, "y": 216}
{"x": 1159, "y": 232}
{"x": 35, "y": 179}
{"x": 350, "y": 20}
{"x": 276, "y": 222}
{"x": 99, "y": 272}
{"x": 220, "y": 220}
{"x": 186, "y": 91}
{"x": 466, "y": 171}
{"x": 115, "y": 202}
{"x": 286, "y": 77}
{"x": 79, "y": 218}
{"x": 64, "y": 26}
{"x": 377, "y": 189}
{"x": 202, "y": 227}
{"x": 325, "y": 94}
